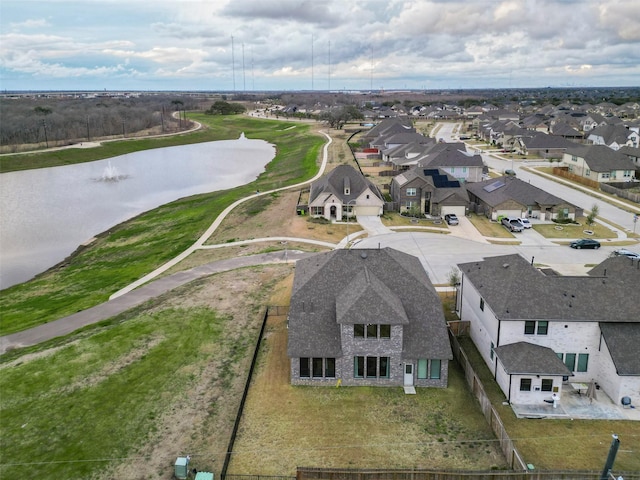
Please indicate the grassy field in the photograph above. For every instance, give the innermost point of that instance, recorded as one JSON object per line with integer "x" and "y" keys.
{"x": 129, "y": 250}
{"x": 124, "y": 398}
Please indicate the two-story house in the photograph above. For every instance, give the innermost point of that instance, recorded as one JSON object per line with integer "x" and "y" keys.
{"x": 455, "y": 160}
{"x": 599, "y": 163}
{"x": 429, "y": 191}
{"x": 366, "y": 317}
{"x": 527, "y": 324}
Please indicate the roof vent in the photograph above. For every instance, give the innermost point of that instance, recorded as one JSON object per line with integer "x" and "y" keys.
{"x": 363, "y": 255}
{"x": 505, "y": 265}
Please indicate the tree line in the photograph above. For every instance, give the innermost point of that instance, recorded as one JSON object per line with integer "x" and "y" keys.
{"x": 29, "y": 122}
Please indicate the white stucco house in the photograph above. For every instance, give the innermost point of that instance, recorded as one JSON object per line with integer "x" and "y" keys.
{"x": 344, "y": 193}
{"x": 537, "y": 332}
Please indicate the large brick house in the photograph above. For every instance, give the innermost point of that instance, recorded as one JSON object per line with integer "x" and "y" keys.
{"x": 366, "y": 317}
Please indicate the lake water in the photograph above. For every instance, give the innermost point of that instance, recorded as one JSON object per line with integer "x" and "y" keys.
{"x": 45, "y": 214}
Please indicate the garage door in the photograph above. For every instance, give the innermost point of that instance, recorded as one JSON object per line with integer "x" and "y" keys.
{"x": 458, "y": 210}
{"x": 368, "y": 211}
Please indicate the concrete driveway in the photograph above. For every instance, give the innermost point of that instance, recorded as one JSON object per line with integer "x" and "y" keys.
{"x": 373, "y": 225}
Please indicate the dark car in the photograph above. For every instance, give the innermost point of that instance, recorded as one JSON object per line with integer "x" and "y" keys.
{"x": 451, "y": 219}
{"x": 585, "y": 243}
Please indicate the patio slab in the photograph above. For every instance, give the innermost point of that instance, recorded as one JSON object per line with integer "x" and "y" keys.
{"x": 572, "y": 405}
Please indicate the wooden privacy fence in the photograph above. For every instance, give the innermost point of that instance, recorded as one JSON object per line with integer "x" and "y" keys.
{"x": 513, "y": 457}
{"x": 304, "y": 473}
{"x": 564, "y": 172}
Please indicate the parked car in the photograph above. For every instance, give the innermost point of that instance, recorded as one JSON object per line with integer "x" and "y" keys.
{"x": 525, "y": 222}
{"x": 451, "y": 219}
{"x": 626, "y": 253}
{"x": 585, "y": 243}
{"x": 508, "y": 171}
{"x": 512, "y": 224}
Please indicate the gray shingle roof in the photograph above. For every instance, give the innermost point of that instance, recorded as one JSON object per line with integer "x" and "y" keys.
{"x": 515, "y": 290}
{"x": 379, "y": 281}
{"x": 514, "y": 189}
{"x": 334, "y": 181}
{"x": 622, "y": 340}
{"x": 601, "y": 158}
{"x": 523, "y": 358}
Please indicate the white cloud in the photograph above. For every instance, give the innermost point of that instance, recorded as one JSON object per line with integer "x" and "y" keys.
{"x": 408, "y": 41}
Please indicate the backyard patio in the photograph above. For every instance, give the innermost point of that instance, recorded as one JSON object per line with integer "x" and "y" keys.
{"x": 576, "y": 403}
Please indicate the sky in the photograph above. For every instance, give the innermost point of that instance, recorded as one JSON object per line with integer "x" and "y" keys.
{"x": 340, "y": 45}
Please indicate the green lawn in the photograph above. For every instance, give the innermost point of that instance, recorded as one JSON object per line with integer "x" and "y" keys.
{"x": 134, "y": 248}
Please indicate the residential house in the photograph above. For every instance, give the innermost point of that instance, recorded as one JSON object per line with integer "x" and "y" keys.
{"x": 455, "y": 160}
{"x": 366, "y": 317}
{"x": 614, "y": 136}
{"x": 566, "y": 131}
{"x": 509, "y": 196}
{"x": 343, "y": 193}
{"x": 385, "y": 128}
{"x": 526, "y": 324}
{"x": 632, "y": 154}
{"x": 599, "y": 163}
{"x": 429, "y": 191}
{"x": 540, "y": 145}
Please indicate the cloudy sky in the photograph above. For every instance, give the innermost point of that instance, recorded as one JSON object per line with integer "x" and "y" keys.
{"x": 247, "y": 45}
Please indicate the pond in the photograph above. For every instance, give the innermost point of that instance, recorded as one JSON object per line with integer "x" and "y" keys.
{"x": 45, "y": 214}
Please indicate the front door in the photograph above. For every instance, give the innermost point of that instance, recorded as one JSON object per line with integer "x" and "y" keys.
{"x": 408, "y": 373}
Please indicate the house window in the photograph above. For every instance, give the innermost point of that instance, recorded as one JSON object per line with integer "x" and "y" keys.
{"x": 543, "y": 327}
{"x": 587, "y": 172}
{"x": 482, "y": 304}
{"x": 605, "y": 175}
{"x": 574, "y": 158}
{"x": 371, "y": 367}
{"x": 409, "y": 204}
{"x": 305, "y": 372}
{"x": 411, "y": 192}
{"x": 372, "y": 330}
{"x": 583, "y": 362}
{"x": 570, "y": 361}
{"x": 383, "y": 370}
{"x": 491, "y": 351}
{"x": 547, "y": 384}
{"x": 530, "y": 327}
{"x": 627, "y": 173}
{"x": 422, "y": 368}
{"x": 317, "y": 210}
{"x": 385, "y": 331}
{"x": 330, "y": 367}
{"x": 571, "y": 168}
{"x": 434, "y": 369}
{"x": 464, "y": 169}
{"x": 317, "y": 367}
{"x": 525, "y": 384}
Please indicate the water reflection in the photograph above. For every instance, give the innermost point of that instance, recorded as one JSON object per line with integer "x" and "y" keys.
{"x": 46, "y": 214}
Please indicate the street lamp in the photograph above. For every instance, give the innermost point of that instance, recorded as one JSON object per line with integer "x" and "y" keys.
{"x": 348, "y": 203}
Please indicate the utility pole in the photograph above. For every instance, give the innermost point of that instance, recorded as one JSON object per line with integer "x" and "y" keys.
{"x": 46, "y": 140}
{"x": 88, "y": 135}
{"x": 613, "y": 450}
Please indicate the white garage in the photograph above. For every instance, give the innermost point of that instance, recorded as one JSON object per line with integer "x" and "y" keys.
{"x": 459, "y": 210}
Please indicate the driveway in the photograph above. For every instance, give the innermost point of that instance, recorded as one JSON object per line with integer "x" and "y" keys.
{"x": 373, "y": 225}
